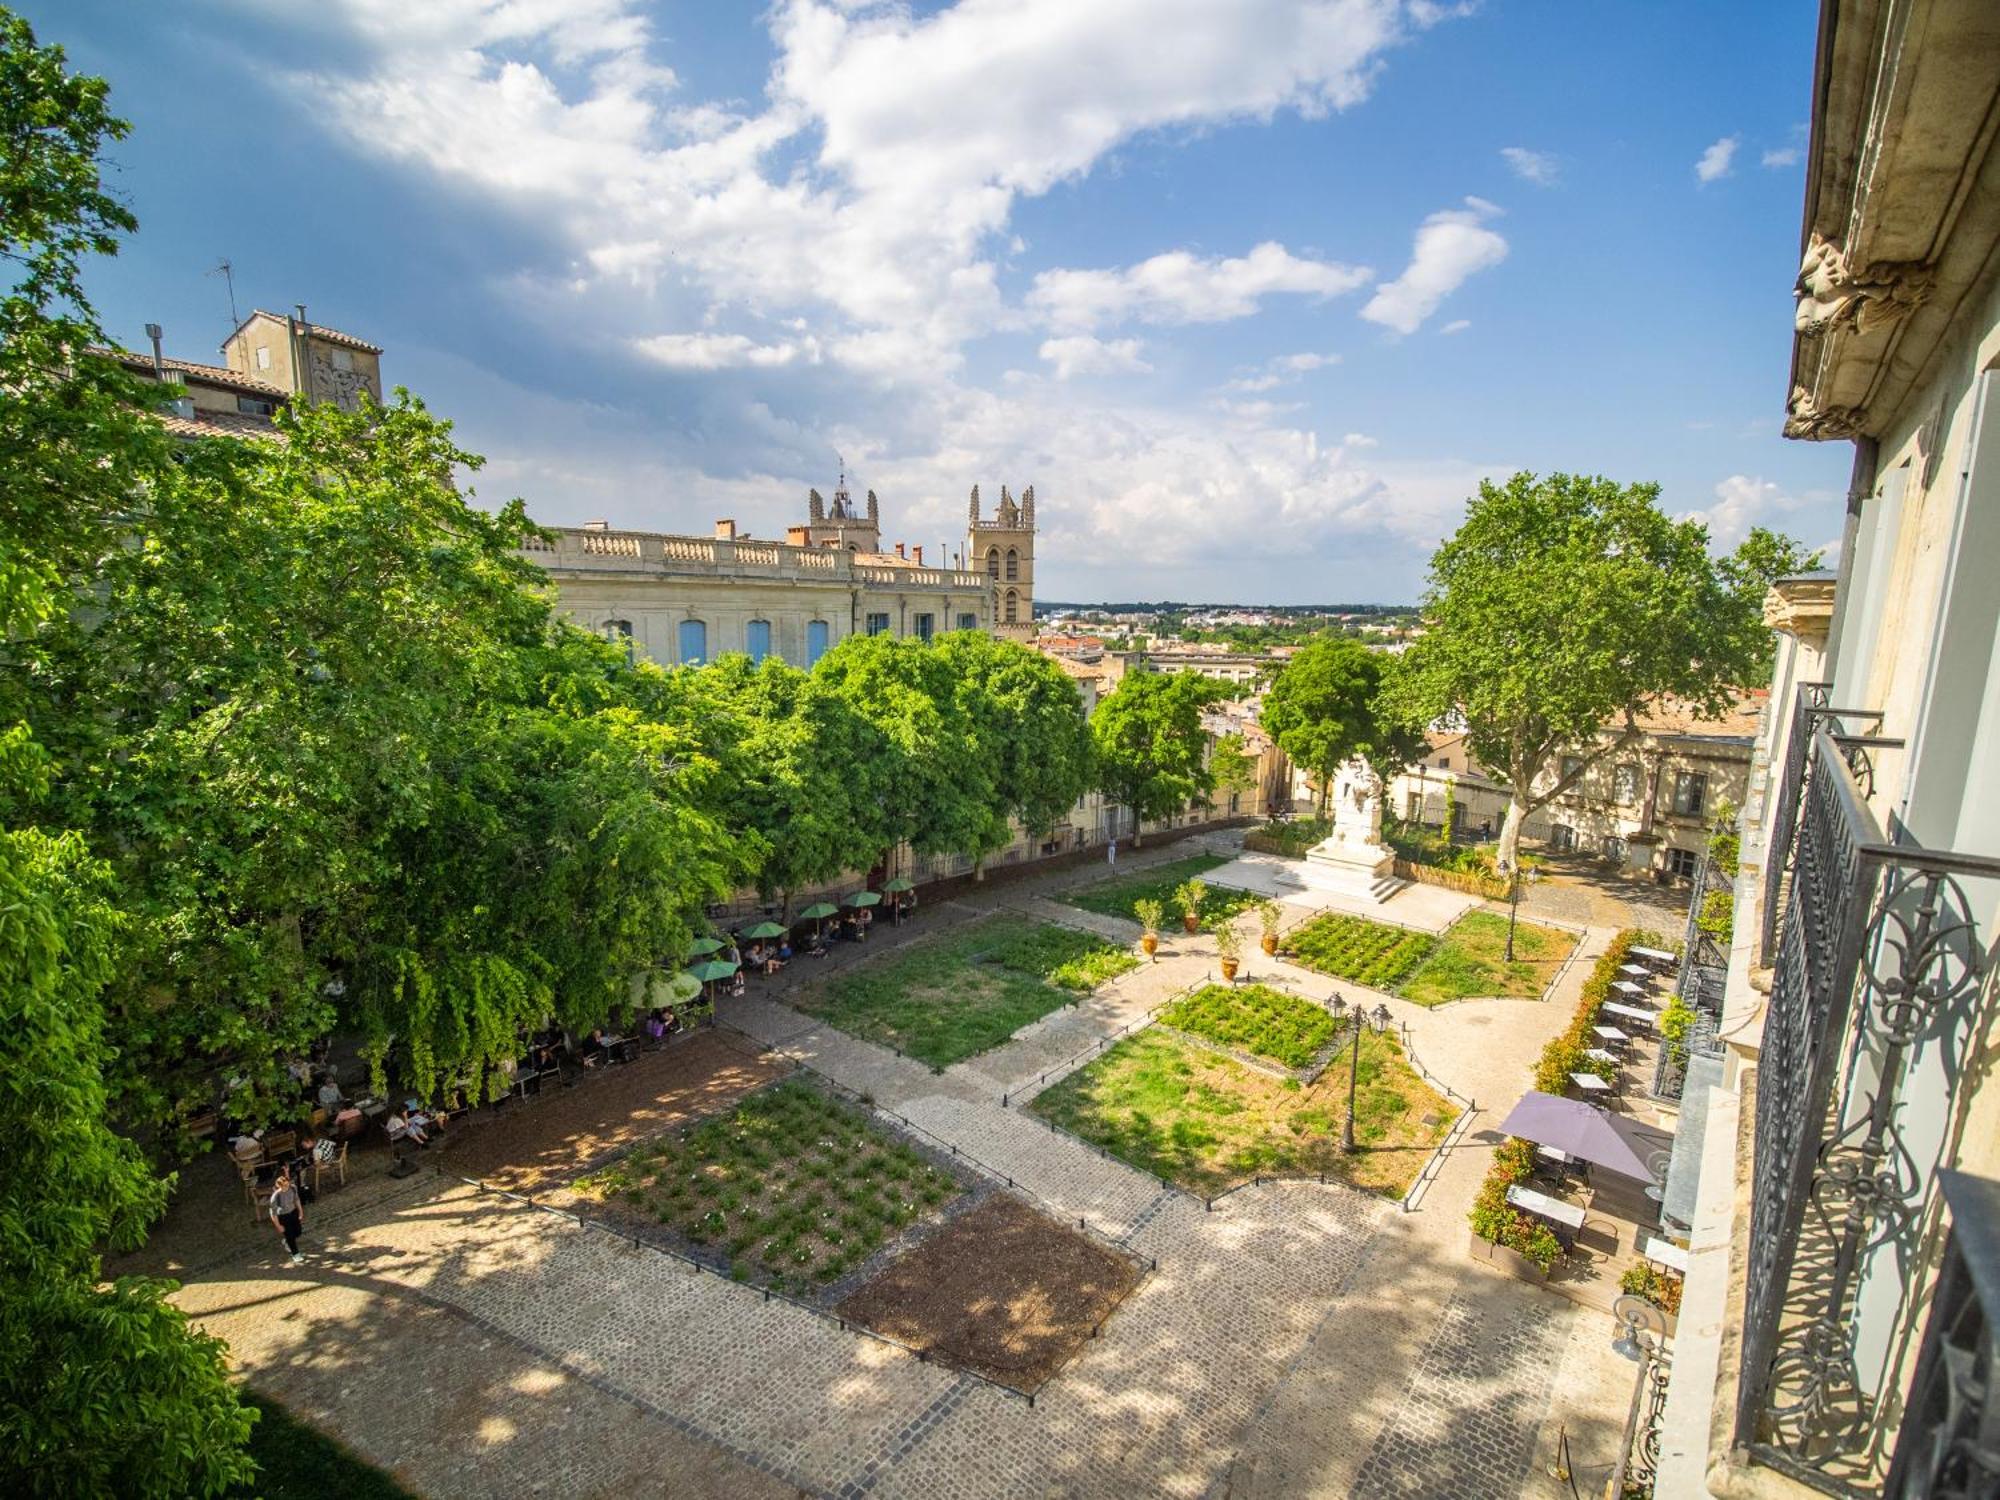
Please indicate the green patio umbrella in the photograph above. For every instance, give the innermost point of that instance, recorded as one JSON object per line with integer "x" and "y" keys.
{"x": 714, "y": 969}
{"x": 678, "y": 989}
{"x": 765, "y": 930}
{"x": 900, "y": 883}
{"x": 819, "y": 911}
{"x": 701, "y": 947}
{"x": 864, "y": 898}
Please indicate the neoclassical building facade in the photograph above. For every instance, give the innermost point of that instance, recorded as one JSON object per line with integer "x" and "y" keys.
{"x": 687, "y": 599}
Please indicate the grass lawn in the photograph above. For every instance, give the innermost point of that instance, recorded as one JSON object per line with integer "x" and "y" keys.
{"x": 943, "y": 999}
{"x": 1370, "y": 953}
{"x": 1117, "y": 896}
{"x": 296, "y": 1461}
{"x": 1254, "y": 1018}
{"x": 794, "y": 1188}
{"x": 1468, "y": 961}
{"x": 1180, "y": 1111}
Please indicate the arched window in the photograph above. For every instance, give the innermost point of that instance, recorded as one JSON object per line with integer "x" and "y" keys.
{"x": 757, "y": 639}
{"x": 618, "y": 630}
{"x": 1013, "y": 565}
{"x": 992, "y": 562}
{"x": 693, "y": 642}
{"x": 816, "y": 634}
{"x": 1011, "y": 609}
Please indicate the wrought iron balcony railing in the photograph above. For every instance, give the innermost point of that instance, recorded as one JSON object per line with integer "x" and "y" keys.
{"x": 1810, "y": 709}
{"x": 1879, "y": 960}
{"x": 1949, "y": 1448}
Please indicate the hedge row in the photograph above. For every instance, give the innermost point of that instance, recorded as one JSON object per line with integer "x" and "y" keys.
{"x": 1487, "y": 886}
{"x": 1493, "y": 1218}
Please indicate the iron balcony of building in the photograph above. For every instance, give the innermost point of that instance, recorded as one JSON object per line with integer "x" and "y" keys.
{"x": 1878, "y": 956}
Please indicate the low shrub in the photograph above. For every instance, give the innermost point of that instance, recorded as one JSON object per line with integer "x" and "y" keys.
{"x": 1355, "y": 948}
{"x": 1661, "y": 1288}
{"x": 1498, "y": 1222}
{"x": 1565, "y": 1053}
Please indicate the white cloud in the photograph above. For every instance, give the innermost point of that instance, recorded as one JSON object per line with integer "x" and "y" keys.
{"x": 1743, "y": 501}
{"x": 1451, "y": 246}
{"x": 1716, "y": 160}
{"x": 722, "y": 351}
{"x": 1782, "y": 156}
{"x": 1281, "y": 371}
{"x": 1080, "y": 354}
{"x": 1456, "y": 325}
{"x": 1178, "y": 287}
{"x": 1539, "y": 167}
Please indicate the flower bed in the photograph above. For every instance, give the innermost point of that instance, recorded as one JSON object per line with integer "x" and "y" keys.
{"x": 1497, "y": 1221}
{"x": 1661, "y": 1288}
{"x": 1292, "y": 839}
{"x": 1257, "y": 1019}
{"x": 1355, "y": 948}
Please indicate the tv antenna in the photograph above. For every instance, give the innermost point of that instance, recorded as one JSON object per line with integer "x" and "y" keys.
{"x": 226, "y": 271}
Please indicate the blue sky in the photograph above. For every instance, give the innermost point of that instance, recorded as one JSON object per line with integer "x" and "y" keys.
{"x": 1253, "y": 294}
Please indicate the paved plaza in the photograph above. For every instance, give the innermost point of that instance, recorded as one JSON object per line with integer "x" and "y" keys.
{"x": 1295, "y": 1339}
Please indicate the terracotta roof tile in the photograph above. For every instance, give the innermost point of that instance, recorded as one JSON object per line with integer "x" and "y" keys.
{"x": 229, "y": 424}
{"x": 320, "y": 331}
{"x": 211, "y": 374}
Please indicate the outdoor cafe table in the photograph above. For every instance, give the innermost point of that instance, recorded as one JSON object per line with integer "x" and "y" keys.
{"x": 1630, "y": 990}
{"x": 1651, "y": 955}
{"x": 1599, "y": 1054}
{"x": 1542, "y": 1206}
{"x": 1664, "y": 1253}
{"x": 1636, "y": 971}
{"x": 1629, "y": 1012}
{"x": 1610, "y": 1034}
{"x": 1590, "y": 1083}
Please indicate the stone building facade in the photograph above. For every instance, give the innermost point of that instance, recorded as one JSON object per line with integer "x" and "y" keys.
{"x": 686, "y": 599}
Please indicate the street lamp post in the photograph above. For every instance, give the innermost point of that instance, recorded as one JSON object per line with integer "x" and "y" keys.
{"x": 1362, "y": 1020}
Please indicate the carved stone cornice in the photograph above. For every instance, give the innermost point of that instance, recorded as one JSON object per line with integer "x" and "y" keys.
{"x": 1802, "y": 608}
{"x": 1805, "y": 419}
{"x": 1831, "y": 294}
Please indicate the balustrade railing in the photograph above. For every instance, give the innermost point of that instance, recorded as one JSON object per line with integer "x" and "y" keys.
{"x": 1878, "y": 960}
{"x": 1811, "y": 707}
{"x": 1949, "y": 1446}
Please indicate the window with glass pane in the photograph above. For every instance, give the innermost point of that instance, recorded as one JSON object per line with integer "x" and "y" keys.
{"x": 757, "y": 639}
{"x": 816, "y": 638}
{"x": 878, "y": 624}
{"x": 926, "y": 627}
{"x": 968, "y": 622}
{"x": 1682, "y": 863}
{"x": 1614, "y": 850}
{"x": 1571, "y": 764}
{"x": 693, "y": 642}
{"x": 1625, "y": 784}
{"x": 1690, "y": 793}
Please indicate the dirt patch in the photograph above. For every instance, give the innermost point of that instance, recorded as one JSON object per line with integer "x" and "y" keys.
{"x": 537, "y": 1143}
{"x": 1002, "y": 1290}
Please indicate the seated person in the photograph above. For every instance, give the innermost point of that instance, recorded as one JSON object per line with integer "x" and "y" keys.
{"x": 406, "y": 1129}
{"x": 656, "y": 1025}
{"x": 595, "y": 1047}
{"x": 329, "y": 1094}
{"x": 673, "y": 1021}
{"x": 757, "y": 956}
{"x": 736, "y": 983}
{"x": 784, "y": 954}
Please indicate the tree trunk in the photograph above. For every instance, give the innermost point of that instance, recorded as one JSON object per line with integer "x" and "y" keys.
{"x": 1510, "y": 831}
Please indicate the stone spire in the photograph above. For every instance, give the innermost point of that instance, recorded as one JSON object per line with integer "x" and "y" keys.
{"x": 1028, "y": 507}
{"x": 815, "y": 507}
{"x": 874, "y": 510}
{"x": 973, "y": 514}
{"x": 1009, "y": 515}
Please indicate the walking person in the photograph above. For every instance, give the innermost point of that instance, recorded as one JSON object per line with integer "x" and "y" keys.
{"x": 1111, "y": 854}
{"x": 287, "y": 1213}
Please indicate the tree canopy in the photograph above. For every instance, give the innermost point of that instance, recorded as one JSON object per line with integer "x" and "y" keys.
{"x": 1321, "y": 709}
{"x": 1568, "y": 605}
{"x": 1027, "y": 722}
{"x": 1149, "y": 742}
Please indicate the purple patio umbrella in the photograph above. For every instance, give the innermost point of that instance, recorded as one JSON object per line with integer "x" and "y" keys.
{"x": 1577, "y": 1127}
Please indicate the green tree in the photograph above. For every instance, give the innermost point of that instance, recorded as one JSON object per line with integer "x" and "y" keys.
{"x": 920, "y": 777}
{"x": 1026, "y": 719}
{"x": 1322, "y": 712}
{"x": 1561, "y": 611}
{"x": 1150, "y": 745}
{"x": 103, "y": 1388}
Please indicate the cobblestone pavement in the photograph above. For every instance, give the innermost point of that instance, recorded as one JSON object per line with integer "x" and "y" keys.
{"x": 1291, "y": 1339}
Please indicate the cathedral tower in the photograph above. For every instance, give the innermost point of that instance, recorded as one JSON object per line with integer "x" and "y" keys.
{"x": 1004, "y": 549}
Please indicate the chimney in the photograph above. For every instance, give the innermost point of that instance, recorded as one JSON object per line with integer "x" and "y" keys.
{"x": 725, "y": 531}
{"x": 153, "y": 332}
{"x": 917, "y": 552}
{"x": 596, "y": 525}
{"x": 899, "y": 549}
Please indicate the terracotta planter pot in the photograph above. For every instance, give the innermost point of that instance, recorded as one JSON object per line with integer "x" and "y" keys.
{"x": 1191, "y": 923}
{"x": 1269, "y": 943}
{"x": 1150, "y": 944}
{"x": 1229, "y": 967}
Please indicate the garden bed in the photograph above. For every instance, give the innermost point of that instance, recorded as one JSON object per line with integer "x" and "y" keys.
{"x": 1117, "y": 897}
{"x": 1001, "y": 1290}
{"x": 944, "y": 999}
{"x": 1469, "y": 960}
{"x": 790, "y": 1189}
{"x": 1370, "y": 953}
{"x": 1173, "y": 1108}
{"x": 1256, "y": 1019}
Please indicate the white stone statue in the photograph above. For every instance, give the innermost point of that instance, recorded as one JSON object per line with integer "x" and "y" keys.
{"x": 1354, "y": 852}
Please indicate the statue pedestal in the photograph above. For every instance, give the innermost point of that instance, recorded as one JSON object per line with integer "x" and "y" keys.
{"x": 1354, "y": 859}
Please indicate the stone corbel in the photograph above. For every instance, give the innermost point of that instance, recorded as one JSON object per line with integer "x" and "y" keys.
{"x": 1831, "y": 294}
{"x": 1806, "y": 419}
